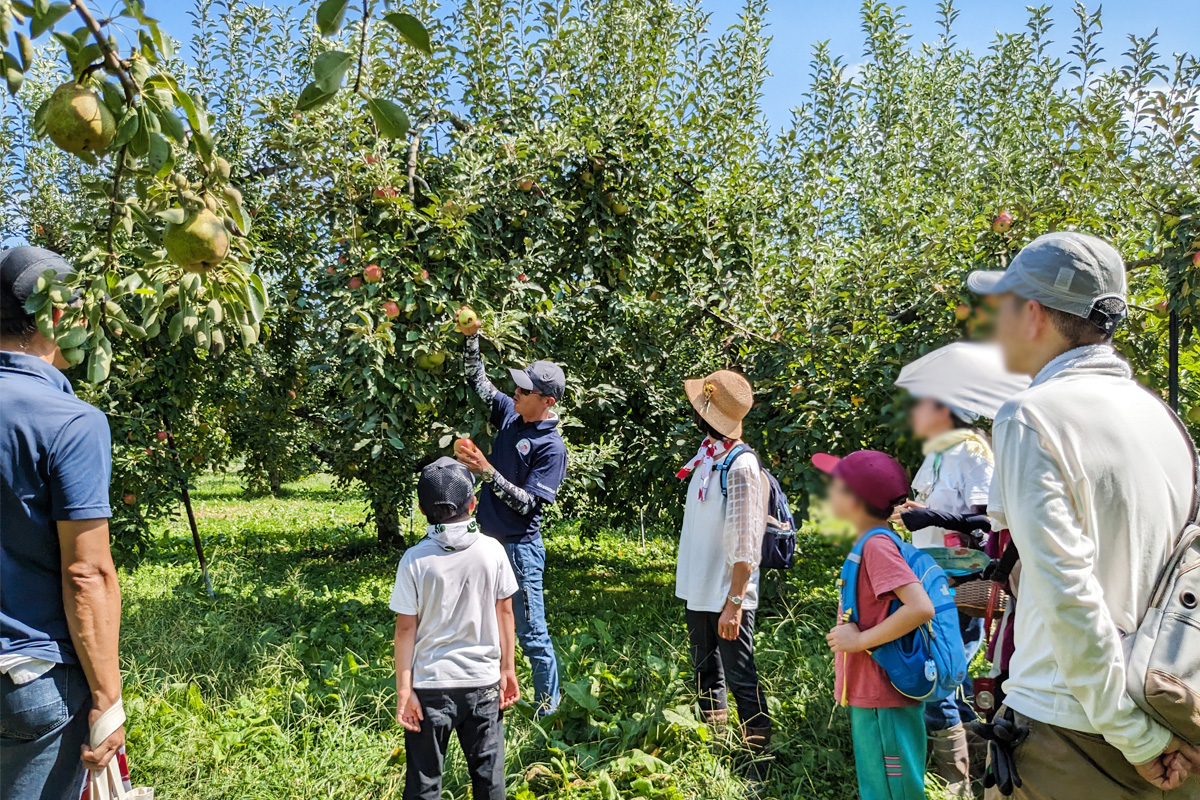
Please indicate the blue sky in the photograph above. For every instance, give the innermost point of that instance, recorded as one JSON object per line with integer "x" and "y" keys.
{"x": 797, "y": 24}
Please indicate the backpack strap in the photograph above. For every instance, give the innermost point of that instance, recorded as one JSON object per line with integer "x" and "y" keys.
{"x": 848, "y": 583}
{"x": 723, "y": 468}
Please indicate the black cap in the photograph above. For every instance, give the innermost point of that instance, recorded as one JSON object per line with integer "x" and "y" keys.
{"x": 544, "y": 377}
{"x": 20, "y": 269}
{"x": 444, "y": 490}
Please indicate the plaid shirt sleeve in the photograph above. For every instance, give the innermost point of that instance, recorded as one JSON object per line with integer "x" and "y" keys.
{"x": 745, "y": 514}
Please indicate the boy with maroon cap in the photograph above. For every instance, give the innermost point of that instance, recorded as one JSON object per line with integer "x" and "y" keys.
{"x": 888, "y": 728}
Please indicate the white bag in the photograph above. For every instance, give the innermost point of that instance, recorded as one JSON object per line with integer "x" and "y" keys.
{"x": 109, "y": 783}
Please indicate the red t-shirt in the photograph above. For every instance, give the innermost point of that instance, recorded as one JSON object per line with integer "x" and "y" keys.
{"x": 882, "y": 571}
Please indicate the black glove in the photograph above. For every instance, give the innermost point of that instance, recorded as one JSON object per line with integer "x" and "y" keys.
{"x": 1003, "y": 735}
{"x": 917, "y": 518}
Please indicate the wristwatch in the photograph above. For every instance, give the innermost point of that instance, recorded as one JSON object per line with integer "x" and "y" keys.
{"x": 488, "y": 474}
{"x": 737, "y": 601}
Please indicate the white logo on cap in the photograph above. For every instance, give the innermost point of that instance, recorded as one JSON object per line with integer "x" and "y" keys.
{"x": 1063, "y": 281}
{"x": 523, "y": 447}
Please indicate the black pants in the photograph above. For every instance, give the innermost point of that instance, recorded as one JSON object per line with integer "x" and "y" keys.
{"x": 720, "y": 661}
{"x": 474, "y": 714}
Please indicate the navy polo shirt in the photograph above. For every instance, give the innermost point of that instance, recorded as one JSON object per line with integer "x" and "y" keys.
{"x": 530, "y": 455}
{"x": 55, "y": 463}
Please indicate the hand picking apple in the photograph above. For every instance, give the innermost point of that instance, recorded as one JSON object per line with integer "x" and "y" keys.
{"x": 467, "y": 321}
{"x": 472, "y": 457}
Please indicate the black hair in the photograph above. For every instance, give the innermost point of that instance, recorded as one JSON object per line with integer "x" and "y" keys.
{"x": 709, "y": 430}
{"x": 23, "y": 326}
{"x": 879, "y": 513}
{"x": 955, "y": 420}
{"x": 1080, "y": 331}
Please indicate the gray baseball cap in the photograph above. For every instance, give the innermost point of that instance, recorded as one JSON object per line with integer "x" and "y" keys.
{"x": 20, "y": 269}
{"x": 545, "y": 377}
{"x": 1071, "y": 272}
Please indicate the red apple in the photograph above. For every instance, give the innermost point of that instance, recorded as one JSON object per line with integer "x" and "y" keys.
{"x": 525, "y": 185}
{"x": 292, "y": 394}
{"x": 463, "y": 446}
{"x": 129, "y": 499}
{"x": 371, "y": 159}
{"x": 373, "y": 273}
{"x": 391, "y": 309}
{"x": 522, "y": 277}
{"x": 330, "y": 270}
{"x": 386, "y": 193}
{"x": 1002, "y": 223}
{"x": 1196, "y": 259}
{"x": 148, "y": 451}
{"x": 962, "y": 311}
{"x": 1162, "y": 309}
{"x": 161, "y": 436}
{"x": 355, "y": 282}
{"x": 341, "y": 259}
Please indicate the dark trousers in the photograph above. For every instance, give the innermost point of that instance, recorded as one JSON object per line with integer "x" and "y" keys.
{"x": 474, "y": 714}
{"x": 727, "y": 662}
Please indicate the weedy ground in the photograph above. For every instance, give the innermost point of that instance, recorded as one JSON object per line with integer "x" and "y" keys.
{"x": 283, "y": 687}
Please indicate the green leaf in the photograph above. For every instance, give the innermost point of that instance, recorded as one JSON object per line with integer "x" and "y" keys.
{"x": 172, "y": 125}
{"x": 159, "y": 160}
{"x": 125, "y": 131}
{"x": 329, "y": 70}
{"x": 25, "y": 50}
{"x": 173, "y": 215}
{"x": 14, "y": 76}
{"x": 100, "y": 361}
{"x": 389, "y": 118}
{"x": 411, "y": 30}
{"x": 45, "y": 17}
{"x": 606, "y": 787}
{"x": 330, "y": 16}
{"x": 74, "y": 337}
{"x": 314, "y": 96}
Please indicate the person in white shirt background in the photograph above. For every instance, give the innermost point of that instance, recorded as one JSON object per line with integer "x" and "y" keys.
{"x": 720, "y": 546}
{"x": 1093, "y": 480}
{"x": 953, "y": 388}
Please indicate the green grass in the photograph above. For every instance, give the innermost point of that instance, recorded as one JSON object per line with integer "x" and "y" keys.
{"x": 284, "y": 685}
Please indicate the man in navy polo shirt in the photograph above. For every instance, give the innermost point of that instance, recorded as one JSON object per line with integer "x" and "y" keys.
{"x": 60, "y": 606}
{"x": 527, "y": 465}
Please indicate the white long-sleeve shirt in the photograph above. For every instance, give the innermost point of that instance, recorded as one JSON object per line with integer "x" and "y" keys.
{"x": 1094, "y": 481}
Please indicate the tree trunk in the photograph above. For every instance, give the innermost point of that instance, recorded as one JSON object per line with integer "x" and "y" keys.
{"x": 275, "y": 480}
{"x": 387, "y": 523}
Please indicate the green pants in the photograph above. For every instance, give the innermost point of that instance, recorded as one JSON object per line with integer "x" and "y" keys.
{"x": 889, "y": 752}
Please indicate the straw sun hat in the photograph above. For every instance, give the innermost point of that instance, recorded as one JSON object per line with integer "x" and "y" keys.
{"x": 722, "y": 399}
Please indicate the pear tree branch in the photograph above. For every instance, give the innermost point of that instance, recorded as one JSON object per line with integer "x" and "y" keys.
{"x": 111, "y": 61}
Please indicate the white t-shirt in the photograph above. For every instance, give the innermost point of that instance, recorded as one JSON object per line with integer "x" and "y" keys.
{"x": 707, "y": 549}
{"x": 952, "y": 481}
{"x": 453, "y": 594}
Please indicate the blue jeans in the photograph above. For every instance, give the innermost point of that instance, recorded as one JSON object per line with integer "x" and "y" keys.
{"x": 957, "y": 708}
{"x": 43, "y": 726}
{"x": 528, "y": 561}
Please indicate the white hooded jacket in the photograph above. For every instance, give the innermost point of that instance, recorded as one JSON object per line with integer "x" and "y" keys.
{"x": 1093, "y": 479}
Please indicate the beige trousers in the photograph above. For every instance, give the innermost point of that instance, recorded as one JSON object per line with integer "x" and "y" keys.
{"x": 1059, "y": 764}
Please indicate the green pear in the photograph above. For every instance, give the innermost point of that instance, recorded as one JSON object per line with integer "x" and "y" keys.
{"x": 199, "y": 243}
{"x": 78, "y": 121}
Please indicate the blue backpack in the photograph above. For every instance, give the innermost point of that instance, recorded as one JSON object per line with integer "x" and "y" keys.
{"x": 928, "y": 663}
{"x": 779, "y": 540}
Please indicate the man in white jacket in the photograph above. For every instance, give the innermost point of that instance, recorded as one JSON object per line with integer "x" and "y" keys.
{"x": 1094, "y": 481}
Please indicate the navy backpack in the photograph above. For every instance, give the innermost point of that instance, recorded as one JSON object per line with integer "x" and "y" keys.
{"x": 779, "y": 540}
{"x": 928, "y": 663}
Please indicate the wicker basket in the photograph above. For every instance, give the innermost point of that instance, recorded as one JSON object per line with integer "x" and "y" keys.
{"x": 972, "y": 598}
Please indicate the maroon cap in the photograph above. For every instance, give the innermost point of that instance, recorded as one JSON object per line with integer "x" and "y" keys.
{"x": 875, "y": 477}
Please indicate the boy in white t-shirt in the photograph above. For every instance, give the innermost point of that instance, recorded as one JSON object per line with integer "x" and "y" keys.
{"x": 455, "y": 632}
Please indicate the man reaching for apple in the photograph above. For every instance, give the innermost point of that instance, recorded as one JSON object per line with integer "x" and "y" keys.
{"x": 527, "y": 465}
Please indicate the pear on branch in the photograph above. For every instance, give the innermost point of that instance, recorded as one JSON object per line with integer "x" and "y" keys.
{"x": 77, "y": 120}
{"x": 199, "y": 243}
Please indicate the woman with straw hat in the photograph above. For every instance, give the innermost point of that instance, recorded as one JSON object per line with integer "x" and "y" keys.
{"x": 719, "y": 551}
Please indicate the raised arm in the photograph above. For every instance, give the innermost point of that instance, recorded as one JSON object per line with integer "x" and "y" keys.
{"x": 476, "y": 375}
{"x": 513, "y": 496}
{"x": 92, "y": 600}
